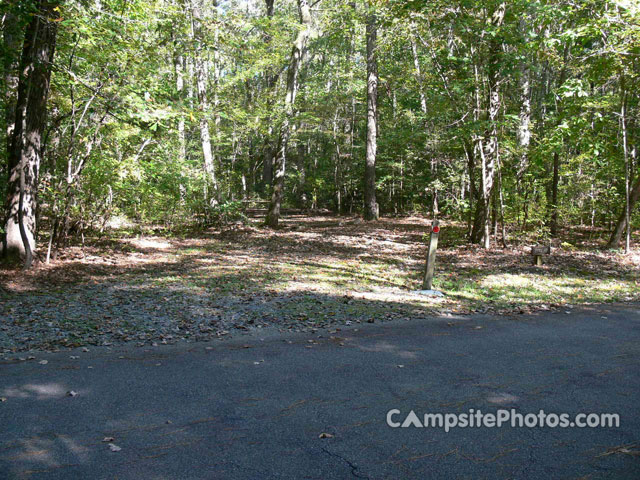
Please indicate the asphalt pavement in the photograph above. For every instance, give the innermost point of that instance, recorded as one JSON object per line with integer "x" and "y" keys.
{"x": 267, "y": 405}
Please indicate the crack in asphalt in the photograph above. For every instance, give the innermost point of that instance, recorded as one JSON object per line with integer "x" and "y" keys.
{"x": 354, "y": 468}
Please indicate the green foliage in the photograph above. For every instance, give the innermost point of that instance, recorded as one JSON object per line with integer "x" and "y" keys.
{"x": 226, "y": 213}
{"x": 126, "y": 115}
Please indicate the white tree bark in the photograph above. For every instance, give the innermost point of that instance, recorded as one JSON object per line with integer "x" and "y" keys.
{"x": 298, "y": 54}
{"x": 524, "y": 129}
{"x": 25, "y": 154}
{"x": 202, "y": 76}
{"x": 371, "y": 211}
{"x": 423, "y": 107}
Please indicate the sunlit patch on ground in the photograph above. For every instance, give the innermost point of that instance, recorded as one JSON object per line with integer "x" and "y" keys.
{"x": 150, "y": 243}
{"x": 316, "y": 271}
{"x": 41, "y": 391}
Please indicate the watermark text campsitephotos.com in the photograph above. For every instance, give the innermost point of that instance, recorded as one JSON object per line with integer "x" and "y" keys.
{"x": 502, "y": 417}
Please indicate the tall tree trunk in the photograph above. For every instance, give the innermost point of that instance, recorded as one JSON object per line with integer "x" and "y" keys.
{"x": 553, "y": 223}
{"x": 488, "y": 144}
{"x": 202, "y": 93}
{"x": 26, "y": 140}
{"x": 337, "y": 172}
{"x": 501, "y": 201}
{"x": 524, "y": 129}
{"x": 11, "y": 38}
{"x": 423, "y": 107}
{"x": 475, "y": 204}
{"x": 271, "y": 79}
{"x": 182, "y": 140}
{"x": 469, "y": 153}
{"x": 215, "y": 64}
{"x": 371, "y": 211}
{"x": 524, "y": 84}
{"x": 555, "y": 179}
{"x": 269, "y": 5}
{"x": 298, "y": 53}
{"x": 179, "y": 65}
{"x": 627, "y": 167}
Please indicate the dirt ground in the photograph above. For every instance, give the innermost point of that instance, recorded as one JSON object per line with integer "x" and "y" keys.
{"x": 317, "y": 272}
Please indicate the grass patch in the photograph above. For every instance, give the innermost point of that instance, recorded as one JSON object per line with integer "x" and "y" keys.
{"x": 317, "y": 271}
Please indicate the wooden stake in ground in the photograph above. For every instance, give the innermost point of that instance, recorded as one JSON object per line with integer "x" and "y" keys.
{"x": 431, "y": 255}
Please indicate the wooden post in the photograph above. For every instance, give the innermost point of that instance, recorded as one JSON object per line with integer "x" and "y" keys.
{"x": 431, "y": 256}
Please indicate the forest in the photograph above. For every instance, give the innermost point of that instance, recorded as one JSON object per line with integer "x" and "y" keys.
{"x": 511, "y": 117}
{"x": 218, "y": 239}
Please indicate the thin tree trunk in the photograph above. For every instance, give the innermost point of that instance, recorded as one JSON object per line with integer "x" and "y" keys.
{"x": 216, "y": 84}
{"x": 423, "y": 107}
{"x": 524, "y": 130}
{"x": 337, "y": 172}
{"x": 553, "y": 225}
{"x": 501, "y": 200}
{"x": 553, "y": 214}
{"x": 179, "y": 64}
{"x": 371, "y": 211}
{"x": 182, "y": 142}
{"x": 349, "y": 188}
{"x": 524, "y": 84}
{"x": 625, "y": 150}
{"x": 469, "y": 152}
{"x": 298, "y": 54}
{"x": 202, "y": 93}
{"x": 271, "y": 79}
{"x": 475, "y": 214}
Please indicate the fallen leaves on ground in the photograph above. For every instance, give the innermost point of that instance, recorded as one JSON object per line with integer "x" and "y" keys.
{"x": 318, "y": 272}
{"x": 632, "y": 449}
